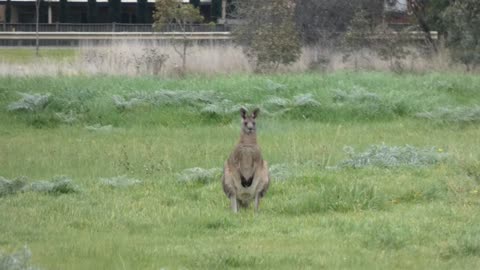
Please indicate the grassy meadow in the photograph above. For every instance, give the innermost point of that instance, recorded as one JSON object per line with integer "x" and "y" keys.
{"x": 327, "y": 207}
{"x": 26, "y": 55}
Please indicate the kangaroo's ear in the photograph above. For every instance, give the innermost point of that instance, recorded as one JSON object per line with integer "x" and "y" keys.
{"x": 243, "y": 113}
{"x": 255, "y": 113}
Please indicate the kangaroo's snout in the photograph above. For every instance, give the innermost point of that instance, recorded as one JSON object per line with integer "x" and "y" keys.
{"x": 250, "y": 126}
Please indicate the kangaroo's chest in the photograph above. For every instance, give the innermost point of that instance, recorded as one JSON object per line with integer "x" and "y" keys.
{"x": 246, "y": 159}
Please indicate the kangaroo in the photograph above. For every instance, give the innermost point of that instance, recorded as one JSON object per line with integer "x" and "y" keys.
{"x": 245, "y": 173}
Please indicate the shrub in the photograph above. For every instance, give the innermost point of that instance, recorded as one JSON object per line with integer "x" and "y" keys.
{"x": 166, "y": 97}
{"x": 360, "y": 103}
{"x": 390, "y": 46}
{"x": 151, "y": 61}
{"x": 67, "y": 118}
{"x": 58, "y": 185}
{"x": 180, "y": 15}
{"x": 71, "y": 100}
{"x": 123, "y": 104}
{"x": 459, "y": 115}
{"x": 384, "y": 156}
{"x": 99, "y": 128}
{"x": 30, "y": 102}
{"x": 357, "y": 38}
{"x": 224, "y": 107}
{"x": 199, "y": 175}
{"x": 282, "y": 172}
{"x": 268, "y": 35}
{"x": 120, "y": 181}
{"x": 462, "y": 20}
{"x": 274, "y": 86}
{"x": 19, "y": 260}
{"x": 298, "y": 101}
{"x": 10, "y": 186}
{"x": 356, "y": 95}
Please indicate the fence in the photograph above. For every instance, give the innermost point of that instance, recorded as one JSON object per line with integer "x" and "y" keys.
{"x": 110, "y": 27}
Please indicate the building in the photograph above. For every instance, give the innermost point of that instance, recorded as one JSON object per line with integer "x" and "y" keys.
{"x": 93, "y": 11}
{"x": 136, "y": 11}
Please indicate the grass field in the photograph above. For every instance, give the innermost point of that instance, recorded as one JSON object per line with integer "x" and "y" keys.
{"x": 317, "y": 214}
{"x": 27, "y": 54}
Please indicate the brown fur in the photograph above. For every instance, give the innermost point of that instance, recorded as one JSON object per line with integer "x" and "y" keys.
{"x": 245, "y": 173}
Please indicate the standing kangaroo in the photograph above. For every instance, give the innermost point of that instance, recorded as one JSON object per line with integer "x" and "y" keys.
{"x": 245, "y": 174}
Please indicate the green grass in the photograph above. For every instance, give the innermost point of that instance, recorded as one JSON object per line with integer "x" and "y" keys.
{"x": 27, "y": 55}
{"x": 317, "y": 218}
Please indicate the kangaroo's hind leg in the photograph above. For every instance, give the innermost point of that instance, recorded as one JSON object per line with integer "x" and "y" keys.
{"x": 229, "y": 189}
{"x": 264, "y": 184}
{"x": 257, "y": 201}
{"x": 234, "y": 204}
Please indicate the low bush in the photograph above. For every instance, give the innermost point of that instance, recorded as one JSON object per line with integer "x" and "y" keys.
{"x": 384, "y": 156}
{"x": 58, "y": 185}
{"x": 458, "y": 115}
{"x": 19, "y": 260}
{"x": 199, "y": 175}
{"x": 120, "y": 181}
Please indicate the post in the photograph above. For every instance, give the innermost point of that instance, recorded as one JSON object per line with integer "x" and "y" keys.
{"x": 49, "y": 12}
{"x": 224, "y": 10}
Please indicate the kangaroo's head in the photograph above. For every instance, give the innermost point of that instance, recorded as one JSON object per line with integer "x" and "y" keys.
{"x": 248, "y": 121}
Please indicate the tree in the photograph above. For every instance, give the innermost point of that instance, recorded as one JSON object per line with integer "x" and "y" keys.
{"x": 418, "y": 8}
{"x": 434, "y": 11}
{"x": 180, "y": 15}
{"x": 37, "y": 21}
{"x": 267, "y": 33}
{"x": 390, "y": 46}
{"x": 366, "y": 34}
{"x": 358, "y": 36}
{"x": 92, "y": 11}
{"x": 462, "y": 20}
{"x": 326, "y": 20}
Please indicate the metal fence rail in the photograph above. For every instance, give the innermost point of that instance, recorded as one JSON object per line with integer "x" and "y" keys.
{"x": 110, "y": 27}
{"x": 116, "y": 35}
{"x": 104, "y": 38}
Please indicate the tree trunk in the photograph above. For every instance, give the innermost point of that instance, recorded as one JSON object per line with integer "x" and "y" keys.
{"x": 426, "y": 30}
{"x": 184, "y": 58}
{"x": 224, "y": 10}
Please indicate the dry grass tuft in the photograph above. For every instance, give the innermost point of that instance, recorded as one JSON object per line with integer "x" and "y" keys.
{"x": 143, "y": 58}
